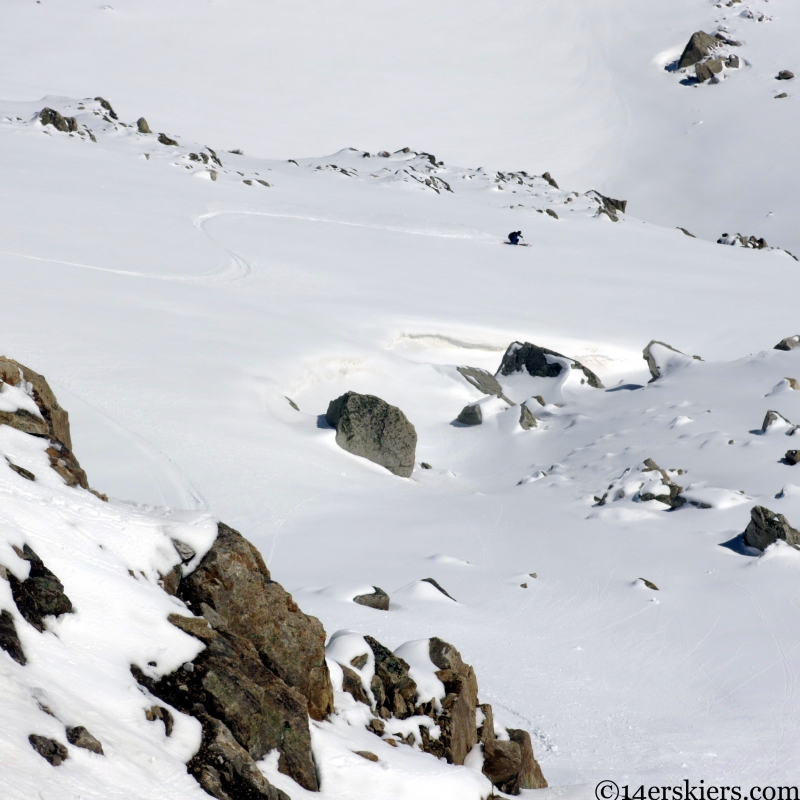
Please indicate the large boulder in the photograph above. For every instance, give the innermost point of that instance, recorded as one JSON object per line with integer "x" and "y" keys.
{"x": 369, "y": 427}
{"x": 766, "y": 527}
{"x": 530, "y": 357}
{"x": 699, "y": 46}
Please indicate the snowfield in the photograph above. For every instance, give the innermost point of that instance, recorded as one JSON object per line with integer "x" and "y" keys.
{"x": 196, "y": 310}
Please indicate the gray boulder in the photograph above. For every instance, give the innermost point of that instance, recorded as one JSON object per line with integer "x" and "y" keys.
{"x": 377, "y": 599}
{"x": 142, "y": 126}
{"x": 706, "y": 70}
{"x": 766, "y": 527}
{"x": 784, "y": 75}
{"x": 732, "y": 62}
{"x": 789, "y": 343}
{"x": 470, "y": 415}
{"x": 47, "y": 116}
{"x": 164, "y": 139}
{"x": 369, "y": 427}
{"x": 700, "y": 46}
{"x": 530, "y": 357}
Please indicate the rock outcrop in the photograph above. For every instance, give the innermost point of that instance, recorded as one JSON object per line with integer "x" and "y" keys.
{"x": 699, "y": 46}
{"x": 526, "y": 418}
{"x": 369, "y": 427}
{"x": 53, "y": 424}
{"x": 766, "y": 527}
{"x": 672, "y": 497}
{"x": 107, "y": 107}
{"x": 533, "y": 359}
{"x": 164, "y": 139}
{"x": 609, "y": 206}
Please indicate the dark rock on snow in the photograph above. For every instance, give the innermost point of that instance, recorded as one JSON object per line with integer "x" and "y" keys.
{"x": 369, "y": 427}
{"x": 164, "y": 139}
{"x": 351, "y": 683}
{"x": 107, "y": 106}
{"x": 49, "y": 749}
{"x": 652, "y": 364}
{"x": 789, "y": 343}
{"x": 435, "y": 584}
{"x": 784, "y": 75}
{"x": 80, "y": 737}
{"x": 649, "y": 584}
{"x": 700, "y": 46}
{"x": 378, "y": 599}
{"x": 792, "y": 457}
{"x": 484, "y": 381}
{"x": 394, "y": 691}
{"x": 732, "y": 62}
{"x": 41, "y": 594}
{"x": 773, "y": 417}
{"x": 766, "y": 527}
{"x": 687, "y": 232}
{"x": 706, "y": 70}
{"x": 673, "y": 498}
{"x": 470, "y": 415}
{"x": 47, "y": 116}
{"x": 549, "y": 178}
{"x": 533, "y": 358}
{"x": 609, "y": 206}
{"x": 367, "y": 754}
{"x": 9, "y": 640}
{"x": 526, "y": 418}
{"x": 22, "y": 472}
{"x": 551, "y": 213}
{"x": 142, "y": 126}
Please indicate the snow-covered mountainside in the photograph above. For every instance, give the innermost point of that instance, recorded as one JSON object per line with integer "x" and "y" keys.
{"x": 603, "y": 524}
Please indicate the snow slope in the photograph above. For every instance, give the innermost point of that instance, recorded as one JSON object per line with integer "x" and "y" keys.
{"x": 174, "y": 314}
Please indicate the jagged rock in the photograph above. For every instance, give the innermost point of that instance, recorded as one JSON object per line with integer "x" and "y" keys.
{"x": 486, "y": 728}
{"x": 80, "y": 737}
{"x": 107, "y": 106}
{"x": 9, "y": 640}
{"x": 378, "y": 599}
{"x": 41, "y": 594}
{"x": 502, "y": 762}
{"x": 792, "y": 457}
{"x": 784, "y": 75}
{"x": 656, "y": 368}
{"x": 609, "y": 206}
{"x": 766, "y": 527}
{"x": 526, "y": 418}
{"x": 233, "y": 581}
{"x": 164, "y": 139}
{"x": 435, "y": 584}
{"x": 470, "y": 415}
{"x": 369, "y": 427}
{"x": 49, "y": 749}
{"x": 351, "y": 683}
{"x": 164, "y": 715}
{"x": 700, "y": 46}
{"x": 484, "y": 381}
{"x": 706, "y": 70}
{"x": 225, "y": 769}
{"x": 732, "y": 62}
{"x": 359, "y": 661}
{"x": 392, "y": 687}
{"x": 789, "y": 343}
{"x": 534, "y": 359}
{"x": 47, "y": 116}
{"x": 772, "y": 418}
{"x": 142, "y": 126}
{"x": 53, "y": 424}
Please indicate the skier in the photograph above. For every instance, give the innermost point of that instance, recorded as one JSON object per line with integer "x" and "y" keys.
{"x": 514, "y": 237}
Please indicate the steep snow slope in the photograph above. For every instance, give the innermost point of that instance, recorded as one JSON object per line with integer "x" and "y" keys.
{"x": 175, "y": 314}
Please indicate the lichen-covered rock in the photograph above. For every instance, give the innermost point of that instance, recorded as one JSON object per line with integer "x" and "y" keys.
{"x": 41, "y": 594}
{"x": 699, "y": 46}
{"x": 470, "y": 415}
{"x": 377, "y": 599}
{"x": 234, "y": 582}
{"x": 532, "y": 358}
{"x": 766, "y": 527}
{"x": 9, "y": 639}
{"x": 49, "y": 749}
{"x": 369, "y": 427}
{"x": 225, "y": 769}
{"x": 80, "y": 737}
{"x": 48, "y": 116}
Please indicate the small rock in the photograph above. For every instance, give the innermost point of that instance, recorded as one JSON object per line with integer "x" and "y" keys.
{"x": 523, "y": 586}
{"x": 377, "y": 726}
{"x": 784, "y": 75}
{"x": 432, "y": 582}
{"x": 142, "y": 126}
{"x": 550, "y": 212}
{"x": 766, "y": 527}
{"x": 164, "y": 139}
{"x": 378, "y": 599}
{"x": 183, "y": 550}
{"x": 41, "y": 594}
{"x": 780, "y": 96}
{"x": 470, "y": 415}
{"x": 732, "y": 62}
{"x": 249, "y": 183}
{"x": 687, "y": 232}
{"x": 789, "y": 343}
{"x": 80, "y": 737}
{"x": 792, "y": 457}
{"x": 9, "y": 640}
{"x": 391, "y": 742}
{"x": 550, "y": 180}
{"x": 263, "y": 183}
{"x": 164, "y": 714}
{"x": 649, "y": 584}
{"x": 49, "y": 749}
{"x": 526, "y": 418}
{"x": 425, "y": 465}
{"x": 366, "y": 754}
{"x": 22, "y": 472}
{"x": 656, "y": 361}
{"x": 483, "y": 381}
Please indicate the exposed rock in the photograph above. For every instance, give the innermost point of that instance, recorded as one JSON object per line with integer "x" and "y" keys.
{"x": 551, "y": 213}
{"x": 550, "y": 180}
{"x": 700, "y": 46}
{"x": 369, "y": 427}
{"x": 656, "y": 362}
{"x": 486, "y": 728}
{"x": 367, "y": 754}
{"x": 80, "y": 737}
{"x": 706, "y": 70}
{"x": 470, "y": 415}
{"x": 49, "y": 749}
{"x": 378, "y": 599}
{"x": 526, "y": 418}
{"x": 351, "y": 683}
{"x": 164, "y": 715}
{"x": 687, "y": 232}
{"x": 673, "y": 498}
{"x": 534, "y": 359}
{"x": 791, "y": 457}
{"x": 649, "y": 584}
{"x": 47, "y": 116}
{"x": 530, "y": 774}
{"x": 774, "y": 418}
{"x": 484, "y": 381}
{"x": 784, "y": 75}
{"x": 780, "y": 97}
{"x": 41, "y": 594}
{"x": 164, "y": 139}
{"x": 502, "y": 762}
{"x": 609, "y": 206}
{"x": 432, "y": 582}
{"x": 9, "y": 640}
{"x": 107, "y": 106}
{"x": 142, "y": 126}
{"x": 22, "y": 472}
{"x": 359, "y": 661}
{"x": 789, "y": 343}
{"x": 732, "y": 62}
{"x": 53, "y": 423}
{"x": 425, "y": 465}
{"x": 766, "y": 527}
{"x": 225, "y": 769}
{"x": 377, "y": 726}
{"x": 392, "y": 687}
